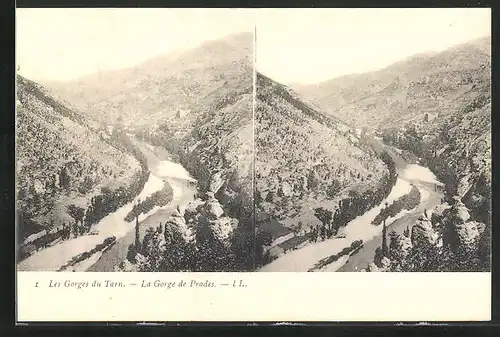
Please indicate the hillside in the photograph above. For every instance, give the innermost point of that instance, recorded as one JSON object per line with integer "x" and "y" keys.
{"x": 438, "y": 107}
{"x": 306, "y": 160}
{"x": 213, "y": 141}
{"x": 160, "y": 89}
{"x": 208, "y": 131}
{"x": 435, "y": 105}
{"x": 197, "y": 104}
{"x": 424, "y": 83}
{"x": 67, "y": 172}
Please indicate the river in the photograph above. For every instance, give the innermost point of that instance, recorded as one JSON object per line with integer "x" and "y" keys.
{"x": 184, "y": 190}
{"x": 430, "y": 197}
{"x": 162, "y": 169}
{"x": 410, "y": 173}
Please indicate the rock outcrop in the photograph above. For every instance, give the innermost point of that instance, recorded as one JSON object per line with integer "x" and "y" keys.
{"x": 423, "y": 232}
{"x": 286, "y": 189}
{"x": 127, "y": 266}
{"x": 216, "y": 183}
{"x": 404, "y": 245}
{"x": 179, "y": 224}
{"x": 455, "y": 230}
{"x": 223, "y": 228}
{"x": 385, "y": 263}
{"x": 213, "y": 209}
{"x": 372, "y": 267}
{"x": 468, "y": 233}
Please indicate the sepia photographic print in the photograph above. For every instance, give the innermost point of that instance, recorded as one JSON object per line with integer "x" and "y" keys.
{"x": 154, "y": 152}
{"x": 373, "y": 142}
{"x": 243, "y": 149}
{"x": 137, "y": 155}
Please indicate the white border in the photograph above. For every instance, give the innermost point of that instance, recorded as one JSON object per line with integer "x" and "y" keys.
{"x": 277, "y": 297}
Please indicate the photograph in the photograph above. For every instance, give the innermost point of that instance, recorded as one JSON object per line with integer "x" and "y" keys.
{"x": 134, "y": 143}
{"x": 271, "y": 140}
{"x": 373, "y": 140}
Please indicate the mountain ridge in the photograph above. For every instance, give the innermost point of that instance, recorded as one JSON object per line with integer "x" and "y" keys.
{"x": 353, "y": 97}
{"x": 159, "y": 86}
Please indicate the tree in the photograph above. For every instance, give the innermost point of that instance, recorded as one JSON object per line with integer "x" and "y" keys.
{"x": 262, "y": 239}
{"x": 269, "y": 197}
{"x": 333, "y": 188}
{"x": 326, "y": 217}
{"x": 76, "y": 213}
{"x": 322, "y": 232}
{"x": 451, "y": 220}
{"x": 312, "y": 180}
{"x": 484, "y": 249}
{"x": 393, "y": 240}
{"x": 242, "y": 244}
{"x": 153, "y": 248}
{"x": 425, "y": 257}
{"x": 258, "y": 197}
{"x": 313, "y": 234}
{"x": 396, "y": 255}
{"x": 131, "y": 253}
{"x": 137, "y": 239}
{"x": 378, "y": 257}
{"x": 213, "y": 239}
{"x": 178, "y": 254}
{"x": 385, "y": 250}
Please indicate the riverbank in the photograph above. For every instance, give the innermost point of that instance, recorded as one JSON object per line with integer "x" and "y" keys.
{"x": 304, "y": 259}
{"x": 425, "y": 181}
{"x": 54, "y": 257}
{"x": 184, "y": 190}
{"x": 161, "y": 170}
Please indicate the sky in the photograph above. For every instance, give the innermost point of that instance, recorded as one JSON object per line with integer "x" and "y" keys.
{"x": 314, "y": 45}
{"x": 64, "y": 44}
{"x": 293, "y": 45}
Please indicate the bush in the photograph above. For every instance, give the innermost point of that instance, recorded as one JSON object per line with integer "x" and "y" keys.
{"x": 131, "y": 253}
{"x": 356, "y": 244}
{"x": 406, "y": 202}
{"x": 109, "y": 240}
{"x": 159, "y": 198}
{"x": 378, "y": 257}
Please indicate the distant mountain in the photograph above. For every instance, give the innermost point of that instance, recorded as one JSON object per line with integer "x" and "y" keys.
{"x": 62, "y": 164}
{"x": 431, "y": 83}
{"x": 306, "y": 159}
{"x": 159, "y": 89}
